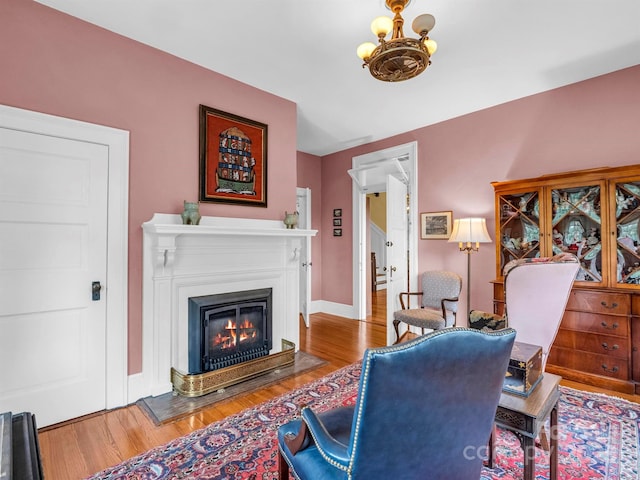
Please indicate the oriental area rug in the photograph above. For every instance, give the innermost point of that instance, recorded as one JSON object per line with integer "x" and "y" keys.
{"x": 598, "y": 439}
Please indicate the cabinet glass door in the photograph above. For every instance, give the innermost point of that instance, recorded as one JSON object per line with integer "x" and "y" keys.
{"x": 519, "y": 216}
{"x": 627, "y": 217}
{"x": 576, "y": 227}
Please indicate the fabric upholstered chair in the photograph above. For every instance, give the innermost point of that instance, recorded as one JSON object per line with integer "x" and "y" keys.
{"x": 536, "y": 294}
{"x": 425, "y": 410}
{"x": 438, "y": 303}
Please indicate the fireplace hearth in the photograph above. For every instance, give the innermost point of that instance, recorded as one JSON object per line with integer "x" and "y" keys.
{"x": 229, "y": 328}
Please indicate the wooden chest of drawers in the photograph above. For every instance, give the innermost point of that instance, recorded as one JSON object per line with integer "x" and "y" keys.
{"x": 593, "y": 344}
{"x": 595, "y": 341}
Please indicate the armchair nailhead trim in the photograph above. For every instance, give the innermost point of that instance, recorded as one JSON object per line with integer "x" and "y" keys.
{"x": 292, "y": 470}
{"x": 339, "y": 466}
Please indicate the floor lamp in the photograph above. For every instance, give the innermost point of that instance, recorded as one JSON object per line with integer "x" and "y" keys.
{"x": 469, "y": 233}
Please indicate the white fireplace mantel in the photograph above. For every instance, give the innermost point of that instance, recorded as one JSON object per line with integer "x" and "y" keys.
{"x": 220, "y": 255}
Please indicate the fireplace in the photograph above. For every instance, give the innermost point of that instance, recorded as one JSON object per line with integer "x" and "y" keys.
{"x": 229, "y": 328}
{"x": 221, "y": 255}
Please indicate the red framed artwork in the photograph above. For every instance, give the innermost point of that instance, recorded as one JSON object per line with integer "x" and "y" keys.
{"x": 233, "y": 159}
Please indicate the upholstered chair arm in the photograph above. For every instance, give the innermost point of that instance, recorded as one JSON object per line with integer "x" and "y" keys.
{"x": 408, "y": 296}
{"x": 444, "y": 306}
{"x": 486, "y": 321}
{"x": 332, "y": 449}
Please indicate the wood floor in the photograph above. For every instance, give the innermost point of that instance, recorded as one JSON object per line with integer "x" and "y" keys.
{"x": 77, "y": 449}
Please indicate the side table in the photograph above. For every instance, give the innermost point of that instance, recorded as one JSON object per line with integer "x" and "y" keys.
{"x": 525, "y": 416}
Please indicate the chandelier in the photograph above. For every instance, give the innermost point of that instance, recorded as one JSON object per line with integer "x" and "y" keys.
{"x": 399, "y": 58}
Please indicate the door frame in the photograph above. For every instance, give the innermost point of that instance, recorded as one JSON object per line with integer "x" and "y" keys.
{"x": 305, "y": 270}
{"x": 409, "y": 150}
{"x": 116, "y": 286}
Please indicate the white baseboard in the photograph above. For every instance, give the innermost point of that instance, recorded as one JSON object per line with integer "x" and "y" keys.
{"x": 332, "y": 308}
{"x": 136, "y": 388}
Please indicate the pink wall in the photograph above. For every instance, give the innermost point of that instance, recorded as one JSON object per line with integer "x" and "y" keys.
{"x": 337, "y": 255}
{"x": 59, "y": 65}
{"x": 585, "y": 125}
{"x": 310, "y": 176}
{"x": 56, "y": 64}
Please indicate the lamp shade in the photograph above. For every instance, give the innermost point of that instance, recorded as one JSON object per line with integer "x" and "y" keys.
{"x": 365, "y": 50}
{"x": 423, "y": 23}
{"x": 381, "y": 26}
{"x": 470, "y": 230}
{"x": 431, "y": 45}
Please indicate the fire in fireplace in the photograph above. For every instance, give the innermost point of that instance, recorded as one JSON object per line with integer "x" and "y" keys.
{"x": 229, "y": 328}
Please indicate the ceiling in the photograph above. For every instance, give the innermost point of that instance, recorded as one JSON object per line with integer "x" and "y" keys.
{"x": 489, "y": 52}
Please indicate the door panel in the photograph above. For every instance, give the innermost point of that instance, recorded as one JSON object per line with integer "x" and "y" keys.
{"x": 303, "y": 207}
{"x": 53, "y": 237}
{"x": 397, "y": 245}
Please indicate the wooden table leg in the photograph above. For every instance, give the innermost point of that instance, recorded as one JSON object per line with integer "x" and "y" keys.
{"x": 491, "y": 458}
{"x": 553, "y": 451}
{"x": 529, "y": 447}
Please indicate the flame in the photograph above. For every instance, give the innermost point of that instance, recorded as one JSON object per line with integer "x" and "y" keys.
{"x": 234, "y": 334}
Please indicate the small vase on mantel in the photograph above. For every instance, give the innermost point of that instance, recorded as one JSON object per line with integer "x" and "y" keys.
{"x": 291, "y": 219}
{"x": 191, "y": 213}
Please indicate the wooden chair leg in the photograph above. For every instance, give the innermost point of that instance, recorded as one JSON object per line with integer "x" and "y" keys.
{"x": 395, "y": 326}
{"x": 283, "y": 467}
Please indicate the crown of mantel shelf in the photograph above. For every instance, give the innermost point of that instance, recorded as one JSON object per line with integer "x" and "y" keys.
{"x": 170, "y": 225}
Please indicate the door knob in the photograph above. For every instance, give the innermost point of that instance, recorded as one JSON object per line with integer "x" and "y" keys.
{"x": 95, "y": 291}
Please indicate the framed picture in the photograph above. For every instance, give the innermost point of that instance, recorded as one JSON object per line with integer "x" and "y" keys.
{"x": 233, "y": 159}
{"x": 435, "y": 225}
{"x": 337, "y": 212}
{"x": 337, "y": 232}
{"x": 337, "y": 222}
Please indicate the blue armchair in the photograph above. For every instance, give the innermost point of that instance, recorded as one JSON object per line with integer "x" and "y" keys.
{"x": 425, "y": 410}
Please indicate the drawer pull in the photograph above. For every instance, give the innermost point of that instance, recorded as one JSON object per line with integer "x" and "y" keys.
{"x": 613, "y": 305}
{"x": 608, "y": 348}
{"x": 612, "y": 327}
{"x": 610, "y": 370}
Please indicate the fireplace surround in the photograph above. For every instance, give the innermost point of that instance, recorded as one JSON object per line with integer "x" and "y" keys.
{"x": 218, "y": 256}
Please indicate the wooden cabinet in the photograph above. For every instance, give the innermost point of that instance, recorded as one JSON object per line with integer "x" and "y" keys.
{"x": 594, "y": 214}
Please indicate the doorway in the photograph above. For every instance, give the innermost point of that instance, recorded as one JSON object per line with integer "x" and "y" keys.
{"x": 393, "y": 170}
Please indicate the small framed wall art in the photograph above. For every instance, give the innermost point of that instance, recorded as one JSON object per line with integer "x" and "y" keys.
{"x": 337, "y": 232}
{"x": 435, "y": 225}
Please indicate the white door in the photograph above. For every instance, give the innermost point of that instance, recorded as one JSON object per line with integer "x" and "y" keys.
{"x": 397, "y": 244}
{"x": 303, "y": 207}
{"x": 53, "y": 244}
